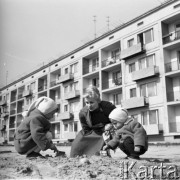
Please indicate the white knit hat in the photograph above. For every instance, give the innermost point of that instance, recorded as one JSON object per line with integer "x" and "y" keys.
{"x": 43, "y": 104}
{"x": 119, "y": 114}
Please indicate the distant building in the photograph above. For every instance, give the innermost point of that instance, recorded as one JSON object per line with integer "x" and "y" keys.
{"x": 136, "y": 65}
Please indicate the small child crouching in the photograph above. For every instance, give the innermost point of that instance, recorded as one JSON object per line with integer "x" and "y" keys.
{"x": 130, "y": 136}
{"x": 33, "y": 134}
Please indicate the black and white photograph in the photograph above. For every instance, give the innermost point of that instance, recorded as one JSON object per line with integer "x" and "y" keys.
{"x": 89, "y": 89}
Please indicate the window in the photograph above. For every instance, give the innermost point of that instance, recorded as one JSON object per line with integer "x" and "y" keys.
{"x": 74, "y": 68}
{"x": 95, "y": 64}
{"x": 146, "y": 62}
{"x": 117, "y": 98}
{"x": 149, "y": 89}
{"x": 178, "y": 31}
{"x": 66, "y": 71}
{"x": 65, "y": 127}
{"x": 130, "y": 42}
{"x": 65, "y": 108}
{"x": 75, "y": 126}
{"x": 117, "y": 78}
{"x": 132, "y": 67}
{"x": 132, "y": 92}
{"x": 148, "y": 36}
{"x": 71, "y": 127}
{"x": 149, "y": 117}
{"x": 95, "y": 82}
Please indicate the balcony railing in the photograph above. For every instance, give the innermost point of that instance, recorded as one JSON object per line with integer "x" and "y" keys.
{"x": 65, "y": 77}
{"x": 135, "y": 102}
{"x": 173, "y": 96}
{"x": 42, "y": 88}
{"x": 132, "y": 51}
{"x": 20, "y": 96}
{"x": 90, "y": 69}
{"x": 145, "y": 73}
{"x": 52, "y": 83}
{"x": 27, "y": 93}
{"x": 65, "y": 115}
{"x": 116, "y": 82}
{"x": 172, "y": 66}
{"x": 171, "y": 37}
{"x": 72, "y": 94}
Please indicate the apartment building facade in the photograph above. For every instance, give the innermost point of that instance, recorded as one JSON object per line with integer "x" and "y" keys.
{"x": 135, "y": 66}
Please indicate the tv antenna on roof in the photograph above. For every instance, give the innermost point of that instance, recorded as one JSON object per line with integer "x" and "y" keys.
{"x": 94, "y": 27}
{"x": 108, "y": 22}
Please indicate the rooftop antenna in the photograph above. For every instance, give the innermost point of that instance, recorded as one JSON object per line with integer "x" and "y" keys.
{"x": 94, "y": 26}
{"x": 5, "y": 65}
{"x": 108, "y": 22}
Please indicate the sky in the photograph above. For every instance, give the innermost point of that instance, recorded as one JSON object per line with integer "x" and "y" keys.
{"x": 35, "y": 32}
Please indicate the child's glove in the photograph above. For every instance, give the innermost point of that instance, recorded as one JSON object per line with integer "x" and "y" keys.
{"x": 53, "y": 147}
{"x": 137, "y": 148}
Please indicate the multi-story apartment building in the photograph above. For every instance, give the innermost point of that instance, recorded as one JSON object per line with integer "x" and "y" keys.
{"x": 136, "y": 66}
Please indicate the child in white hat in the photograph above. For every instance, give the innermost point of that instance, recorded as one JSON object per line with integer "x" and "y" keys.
{"x": 130, "y": 135}
{"x": 33, "y": 134}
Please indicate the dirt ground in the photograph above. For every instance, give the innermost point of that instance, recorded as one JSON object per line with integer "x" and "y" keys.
{"x": 159, "y": 162}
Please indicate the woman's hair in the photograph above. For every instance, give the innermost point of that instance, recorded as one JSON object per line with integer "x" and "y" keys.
{"x": 93, "y": 92}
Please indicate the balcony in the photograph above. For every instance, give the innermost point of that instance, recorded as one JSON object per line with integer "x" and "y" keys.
{"x": 145, "y": 73}
{"x": 132, "y": 51}
{"x": 27, "y": 93}
{"x": 20, "y": 96}
{"x": 171, "y": 37}
{"x": 70, "y": 135}
{"x": 172, "y": 66}
{"x": 72, "y": 94}
{"x": 3, "y": 103}
{"x": 116, "y": 82}
{"x": 64, "y": 78}
{"x": 65, "y": 115}
{"x": 110, "y": 61}
{"x": 90, "y": 69}
{"x": 42, "y": 88}
{"x": 135, "y": 102}
{"x": 173, "y": 96}
{"x": 53, "y": 83}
